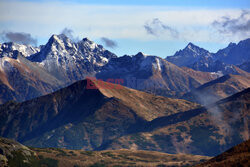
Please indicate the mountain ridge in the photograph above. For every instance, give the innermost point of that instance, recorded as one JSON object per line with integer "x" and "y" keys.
{"x": 208, "y": 130}
{"x": 62, "y": 62}
{"x": 200, "y": 59}
{"x": 217, "y": 89}
{"x": 65, "y": 118}
{"x": 235, "y": 156}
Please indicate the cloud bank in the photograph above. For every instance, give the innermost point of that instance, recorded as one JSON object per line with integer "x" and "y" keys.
{"x": 228, "y": 25}
{"x": 18, "y": 37}
{"x": 116, "y": 21}
{"x": 157, "y": 28}
{"x": 69, "y": 33}
{"x": 109, "y": 43}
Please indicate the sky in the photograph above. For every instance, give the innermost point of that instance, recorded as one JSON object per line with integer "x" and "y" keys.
{"x": 159, "y": 27}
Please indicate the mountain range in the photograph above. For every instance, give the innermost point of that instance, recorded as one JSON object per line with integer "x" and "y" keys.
{"x": 61, "y": 62}
{"x": 223, "y": 62}
{"x": 76, "y": 117}
{"x": 217, "y": 89}
{"x": 78, "y": 95}
{"x": 206, "y": 130}
{"x": 149, "y": 73}
{"x": 28, "y": 72}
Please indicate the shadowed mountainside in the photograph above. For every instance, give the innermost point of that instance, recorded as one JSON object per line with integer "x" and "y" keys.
{"x": 149, "y": 73}
{"x": 203, "y": 131}
{"x": 99, "y": 119}
{"x": 21, "y": 79}
{"x": 77, "y": 117}
{"x": 236, "y": 156}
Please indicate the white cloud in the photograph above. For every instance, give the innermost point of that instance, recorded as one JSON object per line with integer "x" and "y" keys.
{"x": 95, "y": 21}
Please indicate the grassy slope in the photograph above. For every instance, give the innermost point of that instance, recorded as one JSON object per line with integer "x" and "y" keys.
{"x": 117, "y": 158}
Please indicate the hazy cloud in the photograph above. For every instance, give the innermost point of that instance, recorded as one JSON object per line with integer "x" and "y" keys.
{"x": 240, "y": 24}
{"x": 109, "y": 43}
{"x": 69, "y": 33}
{"x": 18, "y": 37}
{"x": 156, "y": 28}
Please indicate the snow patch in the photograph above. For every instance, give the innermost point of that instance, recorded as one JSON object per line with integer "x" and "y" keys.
{"x": 218, "y": 73}
{"x": 157, "y": 65}
{"x": 5, "y": 64}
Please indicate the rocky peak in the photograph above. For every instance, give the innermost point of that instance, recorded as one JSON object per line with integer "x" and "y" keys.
{"x": 231, "y": 44}
{"x": 234, "y": 53}
{"x": 140, "y": 55}
{"x": 61, "y": 41}
{"x": 89, "y": 45}
{"x": 191, "y": 45}
{"x": 195, "y": 49}
{"x": 87, "y": 40}
{"x": 8, "y": 49}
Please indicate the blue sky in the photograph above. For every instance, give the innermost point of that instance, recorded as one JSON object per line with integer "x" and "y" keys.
{"x": 190, "y": 3}
{"x": 158, "y": 27}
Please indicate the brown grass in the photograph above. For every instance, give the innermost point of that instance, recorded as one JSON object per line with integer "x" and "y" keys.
{"x": 118, "y": 158}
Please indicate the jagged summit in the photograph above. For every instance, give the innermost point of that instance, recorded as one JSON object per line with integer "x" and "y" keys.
{"x": 246, "y": 41}
{"x": 150, "y": 72}
{"x": 191, "y": 45}
{"x": 231, "y": 44}
{"x": 221, "y": 62}
{"x": 86, "y": 39}
{"x": 194, "y": 48}
{"x": 71, "y": 61}
{"x": 62, "y": 59}
{"x": 60, "y": 42}
{"x": 8, "y": 49}
{"x": 59, "y": 38}
{"x": 90, "y": 45}
{"x": 189, "y": 55}
{"x": 141, "y": 54}
{"x": 235, "y": 54}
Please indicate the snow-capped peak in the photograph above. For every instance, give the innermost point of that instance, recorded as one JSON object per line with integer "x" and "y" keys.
{"x": 65, "y": 57}
{"x": 61, "y": 40}
{"x": 8, "y": 49}
{"x": 86, "y": 42}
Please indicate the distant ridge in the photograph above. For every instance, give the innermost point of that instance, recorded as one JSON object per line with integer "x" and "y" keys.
{"x": 79, "y": 115}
